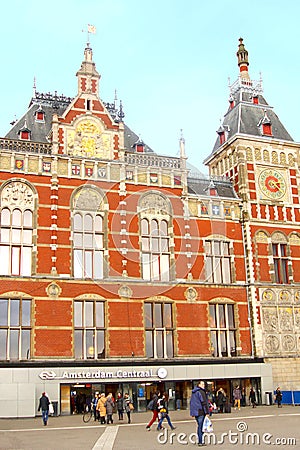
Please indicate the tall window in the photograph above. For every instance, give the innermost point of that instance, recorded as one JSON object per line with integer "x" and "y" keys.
{"x": 222, "y": 330}
{"x": 88, "y": 245}
{"x": 159, "y": 330}
{"x": 15, "y": 328}
{"x": 16, "y": 241}
{"x": 155, "y": 250}
{"x": 217, "y": 265}
{"x": 89, "y": 330}
{"x": 280, "y": 263}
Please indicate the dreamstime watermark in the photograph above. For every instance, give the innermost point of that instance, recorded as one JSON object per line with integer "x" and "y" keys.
{"x": 239, "y": 437}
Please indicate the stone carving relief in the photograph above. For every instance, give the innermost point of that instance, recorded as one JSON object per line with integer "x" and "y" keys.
{"x": 154, "y": 203}
{"x": 270, "y": 319}
{"x": 288, "y": 342}
{"x": 88, "y": 199}
{"x": 268, "y": 295}
{"x": 89, "y": 139}
{"x": 191, "y": 294}
{"x": 17, "y": 193}
{"x": 280, "y": 312}
{"x": 285, "y": 319}
{"x": 272, "y": 343}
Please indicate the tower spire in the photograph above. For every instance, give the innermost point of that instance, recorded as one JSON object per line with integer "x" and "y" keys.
{"x": 242, "y": 55}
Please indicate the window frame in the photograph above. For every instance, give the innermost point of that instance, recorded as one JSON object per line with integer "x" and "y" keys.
{"x": 223, "y": 331}
{"x": 158, "y": 334}
{"x": 22, "y": 326}
{"x": 218, "y": 267}
{"x": 155, "y": 248}
{"x": 84, "y": 331}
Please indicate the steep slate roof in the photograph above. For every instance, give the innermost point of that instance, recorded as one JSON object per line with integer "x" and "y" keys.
{"x": 200, "y": 186}
{"x": 41, "y": 131}
{"x": 244, "y": 118}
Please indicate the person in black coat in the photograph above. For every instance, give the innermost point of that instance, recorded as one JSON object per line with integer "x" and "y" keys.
{"x": 221, "y": 400}
{"x": 252, "y": 397}
{"x": 44, "y": 406}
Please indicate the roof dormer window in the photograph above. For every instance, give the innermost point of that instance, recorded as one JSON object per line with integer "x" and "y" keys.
{"x": 139, "y": 146}
{"x": 211, "y": 189}
{"x": 24, "y": 133}
{"x": 223, "y": 133}
{"x": 265, "y": 125}
{"x": 40, "y": 115}
{"x": 255, "y": 99}
{"x": 231, "y": 102}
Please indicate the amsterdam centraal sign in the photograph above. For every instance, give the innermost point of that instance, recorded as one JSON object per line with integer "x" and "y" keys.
{"x": 104, "y": 374}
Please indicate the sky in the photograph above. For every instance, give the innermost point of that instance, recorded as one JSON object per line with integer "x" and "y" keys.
{"x": 169, "y": 60}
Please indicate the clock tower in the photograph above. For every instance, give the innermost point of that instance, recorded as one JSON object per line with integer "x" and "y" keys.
{"x": 254, "y": 150}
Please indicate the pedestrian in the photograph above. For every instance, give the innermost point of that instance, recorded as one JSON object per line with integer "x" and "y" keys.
{"x": 101, "y": 408}
{"x": 44, "y": 406}
{"x": 109, "y": 404}
{"x": 221, "y": 400}
{"x": 278, "y": 397}
{"x": 127, "y": 405}
{"x": 163, "y": 413}
{"x": 120, "y": 407}
{"x": 177, "y": 400}
{"x": 94, "y": 405}
{"x": 243, "y": 399}
{"x": 152, "y": 405}
{"x": 199, "y": 408}
{"x": 237, "y": 395}
{"x": 252, "y": 397}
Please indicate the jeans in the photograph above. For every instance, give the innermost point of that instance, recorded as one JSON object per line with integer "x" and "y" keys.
{"x": 200, "y": 420}
{"x": 45, "y": 413}
{"x": 165, "y": 416}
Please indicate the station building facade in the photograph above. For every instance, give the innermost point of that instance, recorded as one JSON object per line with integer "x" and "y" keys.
{"x": 122, "y": 270}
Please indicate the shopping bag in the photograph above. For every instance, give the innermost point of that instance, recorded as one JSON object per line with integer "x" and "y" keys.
{"x": 51, "y": 408}
{"x": 207, "y": 426}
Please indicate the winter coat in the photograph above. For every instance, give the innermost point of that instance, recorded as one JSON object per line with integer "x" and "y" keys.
{"x": 252, "y": 396}
{"x": 119, "y": 402}
{"x": 109, "y": 405}
{"x": 44, "y": 403}
{"x": 237, "y": 394}
{"x": 221, "y": 399}
{"x": 198, "y": 403}
{"x": 101, "y": 406}
{"x": 126, "y": 402}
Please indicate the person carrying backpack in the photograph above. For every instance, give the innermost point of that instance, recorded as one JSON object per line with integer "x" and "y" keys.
{"x": 152, "y": 405}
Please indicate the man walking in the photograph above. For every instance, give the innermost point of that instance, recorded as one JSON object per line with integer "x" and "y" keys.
{"x": 44, "y": 406}
{"x": 199, "y": 408}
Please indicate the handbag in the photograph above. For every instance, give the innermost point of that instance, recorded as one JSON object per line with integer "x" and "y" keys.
{"x": 207, "y": 426}
{"x": 131, "y": 407}
{"x": 51, "y": 408}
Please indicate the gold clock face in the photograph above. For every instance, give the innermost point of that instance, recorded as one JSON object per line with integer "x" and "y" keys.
{"x": 272, "y": 184}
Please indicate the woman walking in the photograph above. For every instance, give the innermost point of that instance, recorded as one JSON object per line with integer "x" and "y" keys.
{"x": 162, "y": 406}
{"x": 109, "y": 404}
{"x": 101, "y": 407}
{"x": 120, "y": 407}
{"x": 252, "y": 397}
{"x": 127, "y": 405}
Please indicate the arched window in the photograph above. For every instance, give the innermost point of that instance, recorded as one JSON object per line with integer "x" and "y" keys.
{"x": 88, "y": 235}
{"x": 16, "y": 229}
{"x": 155, "y": 237}
{"x": 155, "y": 250}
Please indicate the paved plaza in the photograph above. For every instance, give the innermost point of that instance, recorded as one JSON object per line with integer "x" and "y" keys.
{"x": 260, "y": 427}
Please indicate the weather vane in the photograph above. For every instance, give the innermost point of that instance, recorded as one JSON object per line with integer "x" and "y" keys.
{"x": 91, "y": 29}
